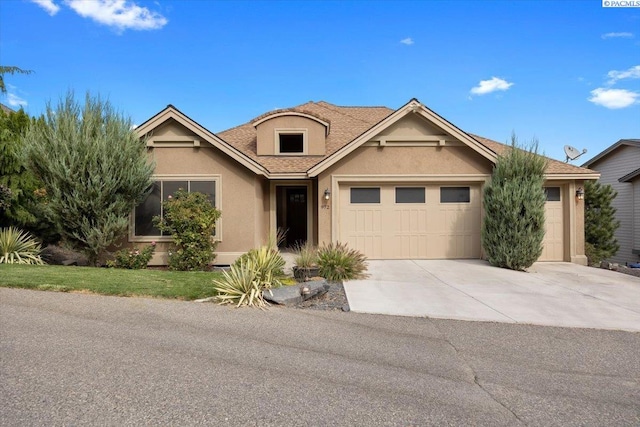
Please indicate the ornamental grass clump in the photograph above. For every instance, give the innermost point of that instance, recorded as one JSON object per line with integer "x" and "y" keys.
{"x": 338, "y": 263}
{"x": 18, "y": 247}
{"x": 306, "y": 256}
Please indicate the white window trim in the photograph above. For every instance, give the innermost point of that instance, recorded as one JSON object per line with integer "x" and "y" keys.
{"x": 290, "y": 131}
{"x": 175, "y": 177}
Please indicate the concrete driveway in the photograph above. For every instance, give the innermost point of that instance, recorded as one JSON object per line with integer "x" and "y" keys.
{"x": 553, "y": 294}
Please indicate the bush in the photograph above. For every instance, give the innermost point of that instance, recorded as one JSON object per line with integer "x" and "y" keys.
{"x": 133, "y": 259}
{"x": 306, "y": 256}
{"x": 250, "y": 275}
{"x": 600, "y": 222}
{"x": 190, "y": 219}
{"x": 240, "y": 286}
{"x": 338, "y": 263}
{"x": 94, "y": 169}
{"x": 267, "y": 264}
{"x": 514, "y": 201}
{"x": 18, "y": 247}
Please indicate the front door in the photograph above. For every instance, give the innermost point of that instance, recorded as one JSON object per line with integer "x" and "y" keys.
{"x": 292, "y": 214}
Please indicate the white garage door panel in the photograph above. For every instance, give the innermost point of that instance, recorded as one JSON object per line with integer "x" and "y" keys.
{"x": 364, "y": 225}
{"x": 430, "y": 230}
{"x": 553, "y": 243}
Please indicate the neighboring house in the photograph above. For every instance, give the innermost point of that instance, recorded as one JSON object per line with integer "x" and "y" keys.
{"x": 619, "y": 166}
{"x": 392, "y": 184}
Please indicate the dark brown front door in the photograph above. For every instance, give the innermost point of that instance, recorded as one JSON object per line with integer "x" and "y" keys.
{"x": 292, "y": 214}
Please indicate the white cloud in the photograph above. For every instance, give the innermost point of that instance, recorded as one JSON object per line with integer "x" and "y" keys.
{"x": 631, "y": 73}
{"x": 121, "y": 14}
{"x": 614, "y": 98}
{"x": 624, "y": 35}
{"x": 47, "y": 5}
{"x": 408, "y": 41}
{"x": 15, "y": 101}
{"x": 492, "y": 85}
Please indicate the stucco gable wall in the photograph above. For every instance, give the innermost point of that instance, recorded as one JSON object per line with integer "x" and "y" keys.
{"x": 411, "y": 125}
{"x": 622, "y": 161}
{"x": 172, "y": 128}
{"x": 241, "y": 192}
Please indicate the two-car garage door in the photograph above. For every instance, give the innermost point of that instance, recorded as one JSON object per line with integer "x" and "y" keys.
{"x": 400, "y": 221}
{"x": 407, "y": 221}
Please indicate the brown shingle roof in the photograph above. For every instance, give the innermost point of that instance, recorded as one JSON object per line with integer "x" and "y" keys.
{"x": 554, "y": 166}
{"x": 347, "y": 123}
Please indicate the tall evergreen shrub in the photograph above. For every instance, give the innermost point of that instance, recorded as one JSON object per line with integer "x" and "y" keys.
{"x": 94, "y": 168}
{"x": 600, "y": 222}
{"x": 513, "y": 227}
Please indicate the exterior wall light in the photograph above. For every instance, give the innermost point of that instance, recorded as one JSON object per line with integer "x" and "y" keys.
{"x": 580, "y": 193}
{"x": 327, "y": 194}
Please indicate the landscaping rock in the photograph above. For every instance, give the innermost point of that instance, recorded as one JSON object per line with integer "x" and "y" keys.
{"x": 56, "y": 255}
{"x": 294, "y": 295}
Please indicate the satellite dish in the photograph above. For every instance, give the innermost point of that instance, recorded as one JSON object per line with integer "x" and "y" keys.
{"x": 573, "y": 153}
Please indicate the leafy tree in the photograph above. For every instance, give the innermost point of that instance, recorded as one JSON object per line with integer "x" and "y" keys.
{"x": 20, "y": 184}
{"x": 94, "y": 168}
{"x": 8, "y": 69}
{"x": 190, "y": 219}
{"x": 600, "y": 222}
{"x": 514, "y": 200}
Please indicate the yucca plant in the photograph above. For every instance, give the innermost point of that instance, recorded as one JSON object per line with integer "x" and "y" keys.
{"x": 240, "y": 286}
{"x": 267, "y": 263}
{"x": 18, "y": 247}
{"x": 338, "y": 263}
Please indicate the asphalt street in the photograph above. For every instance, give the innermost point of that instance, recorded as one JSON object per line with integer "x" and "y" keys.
{"x": 79, "y": 359}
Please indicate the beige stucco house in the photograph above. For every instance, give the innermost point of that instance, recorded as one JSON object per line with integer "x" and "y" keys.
{"x": 402, "y": 183}
{"x": 619, "y": 166}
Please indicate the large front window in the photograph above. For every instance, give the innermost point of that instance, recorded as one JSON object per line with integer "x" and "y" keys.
{"x": 161, "y": 190}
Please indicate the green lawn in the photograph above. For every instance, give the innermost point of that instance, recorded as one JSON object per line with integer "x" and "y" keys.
{"x": 187, "y": 285}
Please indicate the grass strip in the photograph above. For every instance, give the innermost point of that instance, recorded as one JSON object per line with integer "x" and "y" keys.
{"x": 184, "y": 285}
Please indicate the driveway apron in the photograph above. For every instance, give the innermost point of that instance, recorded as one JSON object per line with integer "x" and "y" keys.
{"x": 550, "y": 293}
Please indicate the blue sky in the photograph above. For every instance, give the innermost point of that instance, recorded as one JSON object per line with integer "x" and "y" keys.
{"x": 564, "y": 72}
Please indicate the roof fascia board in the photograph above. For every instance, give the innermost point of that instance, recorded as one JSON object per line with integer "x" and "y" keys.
{"x": 411, "y": 107}
{"x": 608, "y": 151}
{"x": 213, "y": 139}
{"x": 291, "y": 113}
{"x": 630, "y": 176}
{"x": 572, "y": 176}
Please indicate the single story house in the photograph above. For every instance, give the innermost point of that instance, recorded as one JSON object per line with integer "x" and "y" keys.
{"x": 402, "y": 183}
{"x": 619, "y": 166}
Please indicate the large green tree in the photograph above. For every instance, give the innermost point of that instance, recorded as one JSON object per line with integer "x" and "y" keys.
{"x": 600, "y": 222}
{"x": 19, "y": 184}
{"x": 94, "y": 168}
{"x": 10, "y": 69}
{"x": 514, "y": 199}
